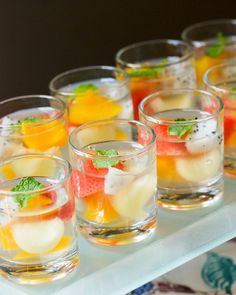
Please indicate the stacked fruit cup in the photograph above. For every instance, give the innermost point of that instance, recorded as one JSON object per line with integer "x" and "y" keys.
{"x": 93, "y": 93}
{"x": 38, "y": 233}
{"x": 221, "y": 80}
{"x": 157, "y": 65}
{"x": 213, "y": 42}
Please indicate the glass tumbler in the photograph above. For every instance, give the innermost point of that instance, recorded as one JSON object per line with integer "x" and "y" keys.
{"x": 213, "y": 41}
{"x": 38, "y": 229}
{"x": 221, "y": 80}
{"x": 33, "y": 124}
{"x": 93, "y": 93}
{"x": 114, "y": 180}
{"x": 156, "y": 65}
{"x": 189, "y": 147}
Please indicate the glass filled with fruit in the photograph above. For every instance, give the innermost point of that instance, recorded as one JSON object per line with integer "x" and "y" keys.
{"x": 37, "y": 219}
{"x": 93, "y": 93}
{"x": 213, "y": 41}
{"x": 114, "y": 180}
{"x": 221, "y": 80}
{"x": 189, "y": 147}
{"x": 156, "y": 65}
{"x": 33, "y": 124}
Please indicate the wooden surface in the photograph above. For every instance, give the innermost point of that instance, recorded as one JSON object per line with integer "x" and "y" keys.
{"x": 41, "y": 38}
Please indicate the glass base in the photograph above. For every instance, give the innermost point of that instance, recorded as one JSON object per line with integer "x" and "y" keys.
{"x": 210, "y": 196}
{"x": 230, "y": 167}
{"x": 117, "y": 236}
{"x": 34, "y": 274}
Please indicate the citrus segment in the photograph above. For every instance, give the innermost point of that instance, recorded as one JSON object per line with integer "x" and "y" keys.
{"x": 44, "y": 136}
{"x": 91, "y": 106}
{"x": 6, "y": 239}
{"x": 98, "y": 208}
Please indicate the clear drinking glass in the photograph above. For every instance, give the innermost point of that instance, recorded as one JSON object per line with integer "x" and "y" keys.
{"x": 33, "y": 124}
{"x": 37, "y": 219}
{"x": 221, "y": 80}
{"x": 214, "y": 42}
{"x": 114, "y": 179}
{"x": 94, "y": 93}
{"x": 189, "y": 147}
{"x": 156, "y": 65}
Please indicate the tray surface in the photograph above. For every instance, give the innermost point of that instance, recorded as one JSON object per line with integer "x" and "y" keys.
{"x": 181, "y": 236}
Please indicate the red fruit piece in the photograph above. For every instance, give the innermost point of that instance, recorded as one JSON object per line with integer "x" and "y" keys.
{"x": 164, "y": 146}
{"x": 88, "y": 182}
{"x": 67, "y": 210}
{"x": 229, "y": 126}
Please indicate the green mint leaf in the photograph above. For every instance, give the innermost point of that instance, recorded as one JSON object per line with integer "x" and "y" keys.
{"x": 84, "y": 87}
{"x": 26, "y": 184}
{"x": 233, "y": 95}
{"x": 30, "y": 120}
{"x": 216, "y": 49}
{"x": 100, "y": 163}
{"x": 149, "y": 72}
{"x": 178, "y": 129}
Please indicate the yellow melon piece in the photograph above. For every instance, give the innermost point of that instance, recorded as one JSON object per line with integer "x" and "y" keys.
{"x": 204, "y": 63}
{"x": 166, "y": 170}
{"x": 120, "y": 134}
{"x": 91, "y": 106}
{"x": 6, "y": 239}
{"x": 44, "y": 136}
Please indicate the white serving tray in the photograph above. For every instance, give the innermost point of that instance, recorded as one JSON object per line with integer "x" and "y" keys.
{"x": 181, "y": 236}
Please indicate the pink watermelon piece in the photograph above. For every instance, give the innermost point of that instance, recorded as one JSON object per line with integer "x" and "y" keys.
{"x": 88, "y": 182}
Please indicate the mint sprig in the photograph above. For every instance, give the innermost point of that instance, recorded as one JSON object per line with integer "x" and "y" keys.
{"x": 25, "y": 185}
{"x": 30, "y": 120}
{"x": 106, "y": 163}
{"x": 178, "y": 129}
{"x": 149, "y": 72}
{"x": 82, "y": 88}
{"x": 216, "y": 49}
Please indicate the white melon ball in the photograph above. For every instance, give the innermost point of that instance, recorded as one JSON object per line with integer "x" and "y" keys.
{"x": 203, "y": 137}
{"x": 38, "y": 237}
{"x": 196, "y": 169}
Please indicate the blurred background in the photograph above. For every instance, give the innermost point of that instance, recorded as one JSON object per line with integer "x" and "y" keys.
{"x": 40, "y": 39}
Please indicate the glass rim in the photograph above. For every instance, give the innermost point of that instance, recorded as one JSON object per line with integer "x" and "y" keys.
{"x": 84, "y": 154}
{"x": 180, "y": 90}
{"x": 175, "y": 42}
{"x": 197, "y": 25}
{"x": 212, "y": 69}
{"x": 54, "y": 89}
{"x": 37, "y": 124}
{"x": 49, "y": 187}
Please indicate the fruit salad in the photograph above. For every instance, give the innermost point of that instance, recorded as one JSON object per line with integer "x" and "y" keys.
{"x": 149, "y": 79}
{"x": 189, "y": 153}
{"x": 36, "y": 222}
{"x": 93, "y": 93}
{"x": 114, "y": 181}
{"x": 215, "y": 52}
{"x": 36, "y": 130}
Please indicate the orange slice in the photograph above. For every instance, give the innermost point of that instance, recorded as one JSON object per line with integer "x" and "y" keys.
{"x": 91, "y": 106}
{"x": 166, "y": 170}
{"x": 44, "y": 136}
{"x": 99, "y": 208}
{"x": 6, "y": 239}
{"x": 37, "y": 203}
{"x": 204, "y": 63}
{"x": 8, "y": 171}
{"x": 231, "y": 141}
